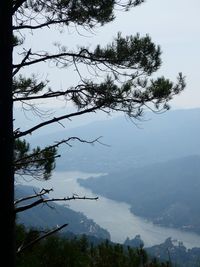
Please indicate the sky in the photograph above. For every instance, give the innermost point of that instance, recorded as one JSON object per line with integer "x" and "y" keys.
{"x": 175, "y": 26}
{"x": 172, "y": 24}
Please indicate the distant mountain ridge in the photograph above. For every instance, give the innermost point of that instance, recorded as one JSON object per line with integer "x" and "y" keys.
{"x": 156, "y": 138}
{"x": 176, "y": 252}
{"x": 170, "y": 250}
{"x": 166, "y": 193}
{"x": 45, "y": 217}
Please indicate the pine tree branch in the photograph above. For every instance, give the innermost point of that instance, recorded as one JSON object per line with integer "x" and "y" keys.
{"x": 46, "y": 24}
{"x": 57, "y": 119}
{"x": 44, "y": 58}
{"x": 22, "y": 248}
{"x": 41, "y": 193}
{"x": 24, "y": 160}
{"x": 34, "y": 161}
{"x": 83, "y": 54}
{"x": 17, "y": 5}
{"x": 44, "y": 201}
{"x": 49, "y": 95}
{"x": 22, "y": 62}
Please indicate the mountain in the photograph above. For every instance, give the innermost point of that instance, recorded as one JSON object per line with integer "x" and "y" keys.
{"x": 174, "y": 252}
{"x": 166, "y": 193}
{"x": 44, "y": 216}
{"x": 171, "y": 251}
{"x": 156, "y": 138}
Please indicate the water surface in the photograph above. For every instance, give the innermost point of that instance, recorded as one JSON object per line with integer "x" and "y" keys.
{"x": 112, "y": 215}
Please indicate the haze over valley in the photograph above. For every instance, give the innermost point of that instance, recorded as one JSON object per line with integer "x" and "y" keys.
{"x": 152, "y": 166}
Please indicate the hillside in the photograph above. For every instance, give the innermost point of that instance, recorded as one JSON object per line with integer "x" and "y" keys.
{"x": 166, "y": 193}
{"x": 44, "y": 216}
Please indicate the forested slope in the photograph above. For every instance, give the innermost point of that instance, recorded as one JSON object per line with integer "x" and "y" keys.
{"x": 166, "y": 193}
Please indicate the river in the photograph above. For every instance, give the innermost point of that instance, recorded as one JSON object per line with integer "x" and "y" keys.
{"x": 112, "y": 215}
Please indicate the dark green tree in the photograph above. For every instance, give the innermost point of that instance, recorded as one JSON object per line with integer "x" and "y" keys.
{"x": 79, "y": 252}
{"x": 118, "y": 79}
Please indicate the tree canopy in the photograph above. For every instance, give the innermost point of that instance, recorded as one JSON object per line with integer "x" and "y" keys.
{"x": 118, "y": 75}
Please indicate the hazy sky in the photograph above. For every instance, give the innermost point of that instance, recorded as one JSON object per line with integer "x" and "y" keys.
{"x": 173, "y": 24}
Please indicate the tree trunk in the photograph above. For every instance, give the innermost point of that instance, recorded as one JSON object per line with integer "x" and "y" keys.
{"x": 7, "y": 220}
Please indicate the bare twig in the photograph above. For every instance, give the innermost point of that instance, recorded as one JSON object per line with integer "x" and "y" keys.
{"x": 22, "y": 248}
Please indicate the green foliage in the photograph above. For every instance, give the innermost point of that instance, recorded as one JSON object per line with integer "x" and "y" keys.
{"x": 87, "y": 13}
{"x": 78, "y": 252}
{"x": 131, "y": 52}
{"x": 26, "y": 86}
{"x": 17, "y": 41}
{"x": 37, "y": 162}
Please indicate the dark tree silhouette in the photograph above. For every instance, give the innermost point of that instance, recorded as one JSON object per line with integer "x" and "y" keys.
{"x": 118, "y": 79}
{"x": 7, "y": 253}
